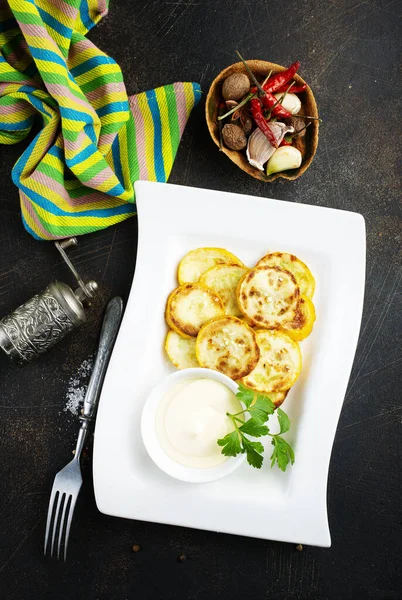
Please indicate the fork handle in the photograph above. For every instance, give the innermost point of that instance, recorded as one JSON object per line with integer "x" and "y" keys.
{"x": 82, "y": 436}
{"x": 110, "y": 327}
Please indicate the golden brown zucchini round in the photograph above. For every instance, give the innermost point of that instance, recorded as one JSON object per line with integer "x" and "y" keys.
{"x": 268, "y": 296}
{"x": 279, "y": 364}
{"x": 190, "y": 306}
{"x": 229, "y": 345}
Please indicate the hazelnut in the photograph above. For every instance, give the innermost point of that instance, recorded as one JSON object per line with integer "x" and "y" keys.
{"x": 234, "y": 137}
{"x": 235, "y": 86}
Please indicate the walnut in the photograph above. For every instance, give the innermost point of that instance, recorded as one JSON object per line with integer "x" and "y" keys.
{"x": 234, "y": 137}
{"x": 235, "y": 86}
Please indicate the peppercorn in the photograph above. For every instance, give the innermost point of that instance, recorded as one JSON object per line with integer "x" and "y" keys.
{"x": 234, "y": 137}
{"x": 235, "y": 86}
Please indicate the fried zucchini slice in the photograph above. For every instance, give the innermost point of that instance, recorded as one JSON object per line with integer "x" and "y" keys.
{"x": 223, "y": 279}
{"x": 279, "y": 365}
{"x": 268, "y": 296}
{"x": 278, "y": 398}
{"x": 302, "y": 325}
{"x": 190, "y": 306}
{"x": 197, "y": 261}
{"x": 291, "y": 263}
{"x": 181, "y": 351}
{"x": 228, "y": 345}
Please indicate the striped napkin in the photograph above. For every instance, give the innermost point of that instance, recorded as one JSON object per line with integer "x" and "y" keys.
{"x": 88, "y": 141}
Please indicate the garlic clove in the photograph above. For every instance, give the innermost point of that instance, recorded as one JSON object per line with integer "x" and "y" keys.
{"x": 291, "y": 102}
{"x": 257, "y": 165}
{"x": 259, "y": 149}
{"x": 280, "y": 130}
{"x": 284, "y": 158}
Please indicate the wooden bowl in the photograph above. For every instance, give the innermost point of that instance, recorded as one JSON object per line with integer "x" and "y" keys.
{"x": 306, "y": 144}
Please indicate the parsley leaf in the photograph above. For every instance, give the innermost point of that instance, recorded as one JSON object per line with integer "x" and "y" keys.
{"x": 282, "y": 454}
{"x": 264, "y": 403}
{"x": 259, "y": 408}
{"x": 230, "y": 444}
{"x": 245, "y": 395}
{"x": 252, "y": 427}
{"x": 259, "y": 416}
{"x": 283, "y": 420}
{"x": 254, "y": 451}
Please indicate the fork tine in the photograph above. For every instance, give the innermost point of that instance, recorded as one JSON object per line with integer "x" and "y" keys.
{"x": 49, "y": 516}
{"x": 63, "y": 521}
{"x": 56, "y": 519}
{"x": 69, "y": 519}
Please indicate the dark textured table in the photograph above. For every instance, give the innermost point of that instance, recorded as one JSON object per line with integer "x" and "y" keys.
{"x": 350, "y": 55}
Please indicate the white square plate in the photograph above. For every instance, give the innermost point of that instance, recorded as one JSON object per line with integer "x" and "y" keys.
{"x": 267, "y": 504}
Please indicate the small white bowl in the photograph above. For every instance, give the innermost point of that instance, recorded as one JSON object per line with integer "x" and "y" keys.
{"x": 152, "y": 445}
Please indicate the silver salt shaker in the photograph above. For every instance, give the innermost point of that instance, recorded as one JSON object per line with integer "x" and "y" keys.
{"x": 43, "y": 321}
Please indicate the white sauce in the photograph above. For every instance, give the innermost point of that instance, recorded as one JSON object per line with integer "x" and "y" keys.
{"x": 190, "y": 419}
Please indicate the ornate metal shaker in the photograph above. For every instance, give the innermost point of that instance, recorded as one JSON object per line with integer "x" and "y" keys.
{"x": 43, "y": 321}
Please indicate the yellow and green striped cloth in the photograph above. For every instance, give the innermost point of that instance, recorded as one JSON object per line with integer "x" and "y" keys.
{"x": 88, "y": 141}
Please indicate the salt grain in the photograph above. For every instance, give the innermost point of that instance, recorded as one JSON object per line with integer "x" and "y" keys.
{"x": 77, "y": 387}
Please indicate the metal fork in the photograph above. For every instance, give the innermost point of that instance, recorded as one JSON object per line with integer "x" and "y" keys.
{"x": 68, "y": 481}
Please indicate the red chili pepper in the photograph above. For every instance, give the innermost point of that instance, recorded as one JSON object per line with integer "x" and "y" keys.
{"x": 269, "y": 101}
{"x": 256, "y": 112}
{"x": 295, "y": 89}
{"x": 279, "y": 80}
{"x": 285, "y": 143}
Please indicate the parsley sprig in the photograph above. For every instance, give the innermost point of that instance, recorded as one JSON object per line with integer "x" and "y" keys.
{"x": 259, "y": 407}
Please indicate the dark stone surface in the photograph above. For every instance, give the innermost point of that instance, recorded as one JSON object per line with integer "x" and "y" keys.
{"x": 350, "y": 55}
